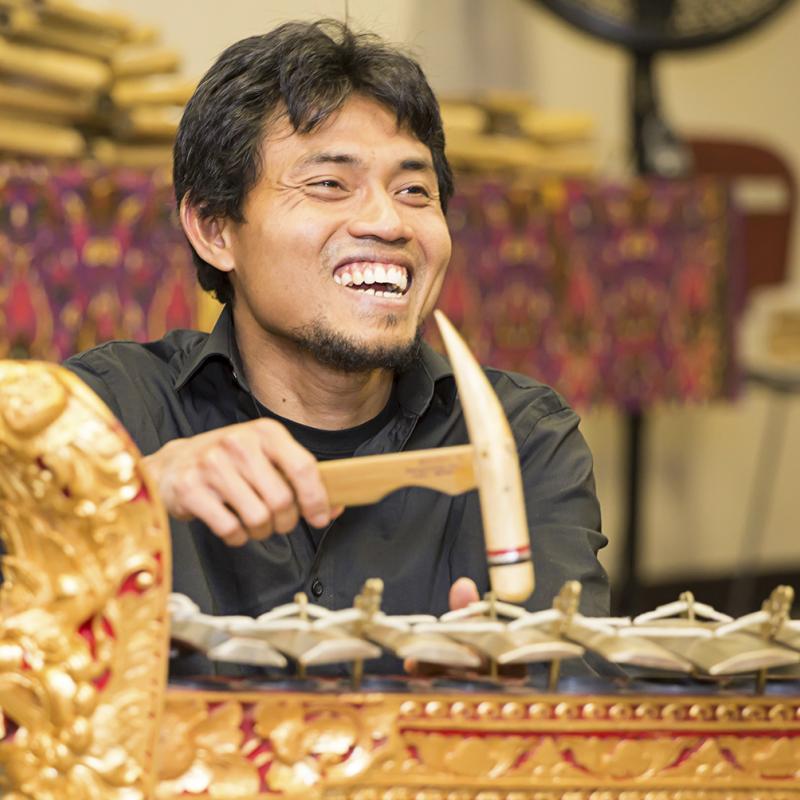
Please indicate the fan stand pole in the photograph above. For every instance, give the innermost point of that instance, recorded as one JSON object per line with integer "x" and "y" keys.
{"x": 631, "y": 546}
{"x": 643, "y": 107}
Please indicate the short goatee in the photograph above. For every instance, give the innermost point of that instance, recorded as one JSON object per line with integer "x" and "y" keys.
{"x": 348, "y": 355}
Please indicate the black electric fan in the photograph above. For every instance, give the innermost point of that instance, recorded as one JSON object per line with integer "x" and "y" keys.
{"x": 646, "y": 28}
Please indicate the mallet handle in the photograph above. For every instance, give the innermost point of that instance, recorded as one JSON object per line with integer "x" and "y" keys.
{"x": 366, "y": 479}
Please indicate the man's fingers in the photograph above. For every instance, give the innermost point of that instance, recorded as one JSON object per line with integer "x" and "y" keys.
{"x": 300, "y": 469}
{"x": 267, "y": 482}
{"x": 222, "y": 475}
{"x": 463, "y": 592}
{"x": 221, "y": 520}
{"x": 279, "y": 496}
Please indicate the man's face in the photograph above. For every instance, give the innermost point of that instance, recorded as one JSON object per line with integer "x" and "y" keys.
{"x": 345, "y": 245}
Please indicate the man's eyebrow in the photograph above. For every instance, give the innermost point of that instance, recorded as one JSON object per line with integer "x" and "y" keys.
{"x": 416, "y": 165}
{"x": 324, "y": 157}
{"x": 316, "y": 159}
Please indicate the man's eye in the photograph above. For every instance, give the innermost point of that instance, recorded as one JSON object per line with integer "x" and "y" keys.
{"x": 416, "y": 189}
{"x": 327, "y": 183}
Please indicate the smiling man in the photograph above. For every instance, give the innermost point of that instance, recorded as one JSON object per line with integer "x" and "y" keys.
{"x": 312, "y": 184}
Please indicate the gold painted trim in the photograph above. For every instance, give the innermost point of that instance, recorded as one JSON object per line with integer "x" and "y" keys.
{"x": 380, "y": 744}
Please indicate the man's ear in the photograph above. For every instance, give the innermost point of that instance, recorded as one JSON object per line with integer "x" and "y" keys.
{"x": 210, "y": 236}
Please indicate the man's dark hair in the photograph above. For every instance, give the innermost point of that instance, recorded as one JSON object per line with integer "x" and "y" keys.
{"x": 308, "y": 71}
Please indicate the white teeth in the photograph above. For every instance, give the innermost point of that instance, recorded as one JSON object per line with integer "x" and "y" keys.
{"x": 368, "y": 272}
{"x": 369, "y": 291}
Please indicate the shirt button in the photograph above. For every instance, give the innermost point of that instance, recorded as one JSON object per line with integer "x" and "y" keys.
{"x": 317, "y": 588}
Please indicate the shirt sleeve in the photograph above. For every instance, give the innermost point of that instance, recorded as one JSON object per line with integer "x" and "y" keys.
{"x": 95, "y": 382}
{"x": 563, "y": 512}
{"x": 126, "y": 386}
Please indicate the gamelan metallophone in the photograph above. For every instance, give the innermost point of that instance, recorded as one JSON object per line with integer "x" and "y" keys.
{"x": 690, "y": 705}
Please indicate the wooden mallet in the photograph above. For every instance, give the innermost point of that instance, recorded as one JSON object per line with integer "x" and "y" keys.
{"x": 489, "y": 463}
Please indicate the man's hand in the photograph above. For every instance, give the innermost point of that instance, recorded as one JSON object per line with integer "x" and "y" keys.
{"x": 244, "y": 481}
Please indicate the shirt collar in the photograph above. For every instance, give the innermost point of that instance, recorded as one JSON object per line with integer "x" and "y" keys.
{"x": 220, "y": 343}
{"x": 430, "y": 373}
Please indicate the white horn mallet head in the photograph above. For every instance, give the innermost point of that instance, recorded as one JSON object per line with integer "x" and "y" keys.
{"x": 505, "y": 526}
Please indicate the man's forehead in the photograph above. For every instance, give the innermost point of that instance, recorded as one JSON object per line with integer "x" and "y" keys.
{"x": 339, "y": 137}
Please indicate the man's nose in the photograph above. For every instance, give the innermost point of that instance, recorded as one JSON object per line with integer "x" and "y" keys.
{"x": 378, "y": 216}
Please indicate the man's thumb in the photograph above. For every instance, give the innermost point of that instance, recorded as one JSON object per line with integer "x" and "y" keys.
{"x": 462, "y": 593}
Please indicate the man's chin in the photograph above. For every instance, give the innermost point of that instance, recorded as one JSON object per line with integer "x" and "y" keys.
{"x": 346, "y": 354}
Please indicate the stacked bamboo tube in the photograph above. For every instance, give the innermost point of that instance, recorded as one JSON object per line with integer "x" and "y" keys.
{"x": 507, "y": 132}
{"x": 76, "y": 81}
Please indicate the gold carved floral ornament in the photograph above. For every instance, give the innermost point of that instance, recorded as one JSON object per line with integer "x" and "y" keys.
{"x": 83, "y": 633}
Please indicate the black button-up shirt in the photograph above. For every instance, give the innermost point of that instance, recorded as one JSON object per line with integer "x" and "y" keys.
{"x": 417, "y": 540}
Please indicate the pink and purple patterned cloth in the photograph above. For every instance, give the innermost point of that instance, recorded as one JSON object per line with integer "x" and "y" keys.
{"x": 89, "y": 254}
{"x": 625, "y": 294}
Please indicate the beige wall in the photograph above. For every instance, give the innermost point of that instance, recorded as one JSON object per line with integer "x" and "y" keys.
{"x": 700, "y": 460}
{"x": 200, "y": 29}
